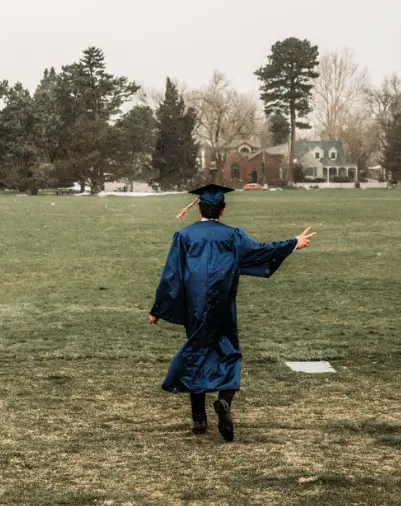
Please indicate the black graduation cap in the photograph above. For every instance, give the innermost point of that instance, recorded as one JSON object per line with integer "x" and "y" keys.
{"x": 210, "y": 194}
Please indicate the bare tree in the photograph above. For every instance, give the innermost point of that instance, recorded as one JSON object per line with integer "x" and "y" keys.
{"x": 360, "y": 136}
{"x": 384, "y": 103}
{"x": 224, "y": 116}
{"x": 338, "y": 93}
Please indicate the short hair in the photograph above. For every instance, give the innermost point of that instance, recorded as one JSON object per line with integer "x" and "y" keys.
{"x": 210, "y": 211}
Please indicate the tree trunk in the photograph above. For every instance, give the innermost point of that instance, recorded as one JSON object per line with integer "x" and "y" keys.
{"x": 290, "y": 172}
{"x": 96, "y": 187}
{"x": 264, "y": 165}
{"x": 33, "y": 188}
{"x": 219, "y": 160}
{"x": 82, "y": 183}
{"x": 97, "y": 183}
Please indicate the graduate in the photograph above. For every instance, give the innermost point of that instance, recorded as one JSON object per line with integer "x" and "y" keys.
{"x": 198, "y": 289}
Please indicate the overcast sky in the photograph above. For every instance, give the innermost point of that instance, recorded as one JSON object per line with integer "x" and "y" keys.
{"x": 147, "y": 40}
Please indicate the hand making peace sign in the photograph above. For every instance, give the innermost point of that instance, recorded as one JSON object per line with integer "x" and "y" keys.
{"x": 304, "y": 238}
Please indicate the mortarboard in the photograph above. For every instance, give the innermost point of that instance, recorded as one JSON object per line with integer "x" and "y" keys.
{"x": 212, "y": 194}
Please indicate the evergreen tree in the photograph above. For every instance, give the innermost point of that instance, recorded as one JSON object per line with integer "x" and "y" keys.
{"x": 3, "y": 88}
{"x": 139, "y": 125}
{"x": 97, "y": 152}
{"x": 175, "y": 155}
{"x": 287, "y": 81}
{"x": 20, "y": 157}
{"x": 49, "y": 126}
{"x": 94, "y": 93}
{"x": 392, "y": 149}
{"x": 279, "y": 128}
{"x": 89, "y": 99}
{"x": 29, "y": 142}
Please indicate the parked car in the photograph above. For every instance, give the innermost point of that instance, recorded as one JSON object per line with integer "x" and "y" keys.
{"x": 253, "y": 186}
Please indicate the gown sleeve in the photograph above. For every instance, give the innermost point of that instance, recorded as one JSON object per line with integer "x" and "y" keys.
{"x": 170, "y": 301}
{"x": 261, "y": 259}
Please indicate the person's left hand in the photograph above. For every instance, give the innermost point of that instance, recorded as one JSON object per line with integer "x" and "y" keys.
{"x": 153, "y": 320}
{"x": 304, "y": 238}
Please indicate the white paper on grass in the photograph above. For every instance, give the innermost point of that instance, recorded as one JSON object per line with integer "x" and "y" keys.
{"x": 316, "y": 367}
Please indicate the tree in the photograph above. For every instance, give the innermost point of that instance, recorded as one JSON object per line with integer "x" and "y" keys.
{"x": 287, "y": 83}
{"x": 89, "y": 100}
{"x": 21, "y": 162}
{"x": 360, "y": 140}
{"x": 98, "y": 94}
{"x": 384, "y": 105}
{"x": 341, "y": 111}
{"x": 175, "y": 155}
{"x": 3, "y": 88}
{"x": 31, "y": 134}
{"x": 392, "y": 148}
{"x": 385, "y": 101}
{"x": 339, "y": 91}
{"x": 97, "y": 152}
{"x": 299, "y": 172}
{"x": 139, "y": 126}
{"x": 279, "y": 129}
{"x": 49, "y": 125}
{"x": 223, "y": 117}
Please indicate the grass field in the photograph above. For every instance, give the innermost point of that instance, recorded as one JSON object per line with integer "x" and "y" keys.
{"x": 83, "y": 420}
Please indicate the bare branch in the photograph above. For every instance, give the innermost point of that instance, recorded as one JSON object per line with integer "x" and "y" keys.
{"x": 224, "y": 115}
{"x": 339, "y": 92}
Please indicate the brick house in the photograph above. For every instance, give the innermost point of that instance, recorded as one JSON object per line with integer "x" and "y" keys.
{"x": 248, "y": 163}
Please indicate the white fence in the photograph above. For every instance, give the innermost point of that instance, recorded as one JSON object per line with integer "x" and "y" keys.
{"x": 340, "y": 185}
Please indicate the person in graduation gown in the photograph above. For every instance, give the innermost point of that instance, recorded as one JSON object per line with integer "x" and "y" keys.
{"x": 198, "y": 290}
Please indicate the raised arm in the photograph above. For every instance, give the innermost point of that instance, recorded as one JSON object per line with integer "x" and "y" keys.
{"x": 262, "y": 259}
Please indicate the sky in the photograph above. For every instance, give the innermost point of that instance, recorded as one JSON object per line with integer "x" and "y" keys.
{"x": 149, "y": 40}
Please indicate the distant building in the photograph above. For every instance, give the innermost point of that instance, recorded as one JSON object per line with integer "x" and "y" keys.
{"x": 250, "y": 165}
{"x": 324, "y": 160}
{"x": 248, "y": 162}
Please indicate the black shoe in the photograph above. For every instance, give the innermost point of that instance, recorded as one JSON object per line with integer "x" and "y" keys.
{"x": 226, "y": 427}
{"x": 200, "y": 427}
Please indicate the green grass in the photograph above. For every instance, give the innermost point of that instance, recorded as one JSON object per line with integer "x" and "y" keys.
{"x": 83, "y": 420}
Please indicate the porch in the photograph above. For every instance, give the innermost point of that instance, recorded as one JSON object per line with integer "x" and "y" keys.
{"x": 350, "y": 172}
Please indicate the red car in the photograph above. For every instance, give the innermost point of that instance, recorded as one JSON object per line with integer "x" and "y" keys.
{"x": 253, "y": 186}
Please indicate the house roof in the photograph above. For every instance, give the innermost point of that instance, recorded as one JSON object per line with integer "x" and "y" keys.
{"x": 281, "y": 150}
{"x": 253, "y": 143}
{"x": 304, "y": 146}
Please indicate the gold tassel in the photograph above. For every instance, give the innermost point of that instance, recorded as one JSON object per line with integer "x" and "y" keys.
{"x": 182, "y": 214}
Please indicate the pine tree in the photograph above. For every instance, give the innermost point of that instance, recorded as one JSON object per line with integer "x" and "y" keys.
{"x": 49, "y": 124}
{"x": 392, "y": 150}
{"x": 89, "y": 99}
{"x": 20, "y": 154}
{"x": 3, "y": 88}
{"x": 287, "y": 81}
{"x": 279, "y": 128}
{"x": 175, "y": 155}
{"x": 139, "y": 125}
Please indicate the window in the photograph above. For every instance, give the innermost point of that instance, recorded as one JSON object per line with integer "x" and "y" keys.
{"x": 333, "y": 155}
{"x": 244, "y": 151}
{"x": 235, "y": 171}
{"x": 317, "y": 155}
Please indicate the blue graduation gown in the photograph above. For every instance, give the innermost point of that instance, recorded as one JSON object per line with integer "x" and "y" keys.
{"x": 198, "y": 290}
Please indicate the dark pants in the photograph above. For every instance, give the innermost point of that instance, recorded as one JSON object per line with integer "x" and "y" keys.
{"x": 198, "y": 404}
